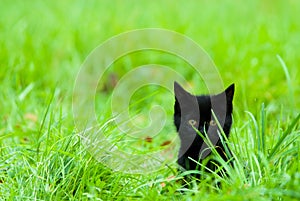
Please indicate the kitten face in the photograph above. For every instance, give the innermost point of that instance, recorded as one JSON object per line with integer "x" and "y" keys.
{"x": 194, "y": 112}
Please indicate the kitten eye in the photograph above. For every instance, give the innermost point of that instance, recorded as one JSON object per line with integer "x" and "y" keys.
{"x": 212, "y": 123}
{"x": 192, "y": 122}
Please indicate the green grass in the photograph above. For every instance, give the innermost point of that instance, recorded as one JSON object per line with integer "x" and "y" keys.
{"x": 255, "y": 44}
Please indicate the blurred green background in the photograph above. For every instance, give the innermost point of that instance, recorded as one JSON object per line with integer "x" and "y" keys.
{"x": 45, "y": 42}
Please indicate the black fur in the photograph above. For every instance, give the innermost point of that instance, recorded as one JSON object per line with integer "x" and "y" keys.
{"x": 192, "y": 112}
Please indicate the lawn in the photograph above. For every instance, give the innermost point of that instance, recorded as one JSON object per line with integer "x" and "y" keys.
{"x": 44, "y": 47}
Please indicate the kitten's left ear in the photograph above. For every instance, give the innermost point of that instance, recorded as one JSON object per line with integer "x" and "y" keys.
{"x": 230, "y": 92}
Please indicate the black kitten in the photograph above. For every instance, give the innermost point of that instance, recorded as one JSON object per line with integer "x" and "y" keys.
{"x": 195, "y": 112}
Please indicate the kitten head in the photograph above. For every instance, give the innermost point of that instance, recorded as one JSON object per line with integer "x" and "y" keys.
{"x": 193, "y": 114}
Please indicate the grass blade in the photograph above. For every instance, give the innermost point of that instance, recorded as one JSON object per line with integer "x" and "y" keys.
{"x": 285, "y": 134}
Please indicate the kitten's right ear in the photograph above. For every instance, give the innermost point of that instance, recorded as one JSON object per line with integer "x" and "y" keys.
{"x": 179, "y": 91}
{"x": 182, "y": 98}
{"x": 230, "y": 92}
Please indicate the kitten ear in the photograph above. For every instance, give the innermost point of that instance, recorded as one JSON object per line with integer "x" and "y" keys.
{"x": 230, "y": 92}
{"x": 179, "y": 91}
{"x": 182, "y": 96}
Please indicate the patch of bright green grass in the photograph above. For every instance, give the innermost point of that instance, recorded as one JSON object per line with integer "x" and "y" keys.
{"x": 42, "y": 45}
